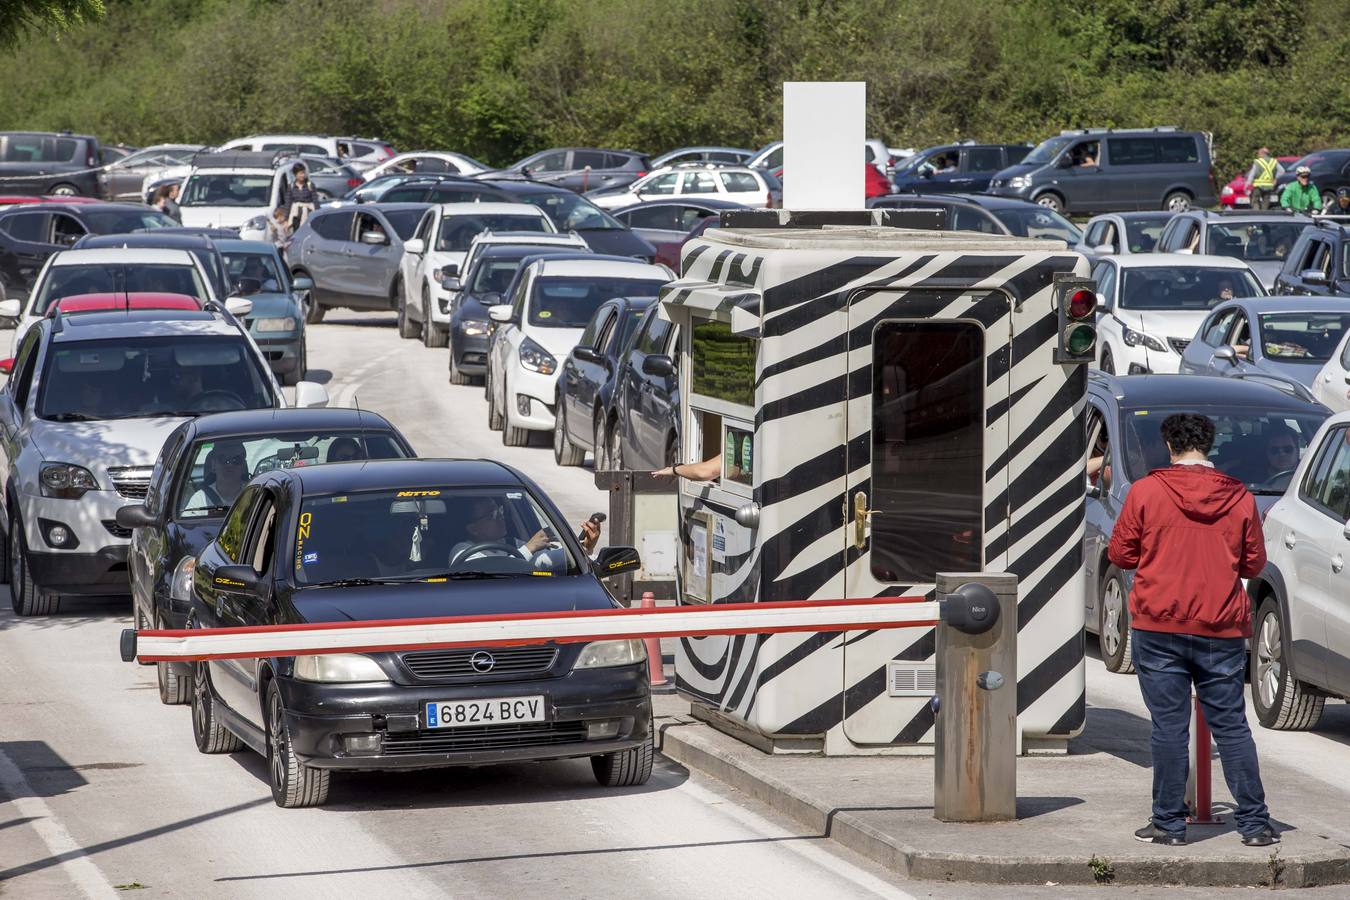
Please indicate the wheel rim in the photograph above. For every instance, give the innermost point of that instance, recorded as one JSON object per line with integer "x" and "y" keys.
{"x": 558, "y": 437}
{"x": 199, "y": 698}
{"x": 15, "y": 561}
{"x": 1179, "y": 204}
{"x": 1050, "y": 202}
{"x": 276, "y": 733}
{"x": 1112, "y": 609}
{"x": 63, "y": 191}
{"x": 1269, "y": 660}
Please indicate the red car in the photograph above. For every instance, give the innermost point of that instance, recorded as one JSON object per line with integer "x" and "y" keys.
{"x": 103, "y": 302}
{"x": 1235, "y": 193}
{"x": 876, "y": 184}
{"x": 14, "y": 199}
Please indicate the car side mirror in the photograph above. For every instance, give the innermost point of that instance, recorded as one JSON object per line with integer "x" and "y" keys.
{"x": 10, "y": 309}
{"x": 1105, "y": 249}
{"x": 7, "y": 365}
{"x": 586, "y": 353}
{"x": 658, "y": 365}
{"x": 376, "y": 238}
{"x": 450, "y": 283}
{"x": 302, "y": 283}
{"x": 237, "y": 578}
{"x": 415, "y": 246}
{"x": 1227, "y": 354}
{"x": 616, "y": 560}
{"x": 1309, "y": 276}
{"x": 450, "y": 271}
{"x": 310, "y": 395}
{"x": 136, "y": 516}
{"x": 238, "y": 306}
{"x": 500, "y": 313}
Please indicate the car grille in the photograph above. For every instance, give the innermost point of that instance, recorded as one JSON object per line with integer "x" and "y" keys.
{"x": 473, "y": 359}
{"x": 433, "y": 665}
{"x": 483, "y": 737}
{"x": 1179, "y": 344}
{"x": 116, "y": 530}
{"x": 132, "y": 482}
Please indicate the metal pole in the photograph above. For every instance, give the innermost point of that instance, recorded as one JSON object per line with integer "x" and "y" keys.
{"x": 1200, "y": 788}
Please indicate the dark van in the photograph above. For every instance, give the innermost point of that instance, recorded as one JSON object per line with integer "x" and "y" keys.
{"x": 1100, "y": 170}
{"x": 43, "y": 162}
{"x": 956, "y": 168}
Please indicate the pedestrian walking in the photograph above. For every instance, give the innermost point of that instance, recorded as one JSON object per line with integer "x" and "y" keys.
{"x": 1301, "y": 195}
{"x": 1261, "y": 178}
{"x": 166, "y": 201}
{"x": 1192, "y": 533}
{"x": 299, "y": 196}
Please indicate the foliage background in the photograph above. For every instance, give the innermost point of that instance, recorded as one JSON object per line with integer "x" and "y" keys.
{"x": 498, "y": 79}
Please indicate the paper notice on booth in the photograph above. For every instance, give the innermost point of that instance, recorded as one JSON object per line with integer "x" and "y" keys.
{"x": 719, "y": 541}
{"x": 698, "y": 537}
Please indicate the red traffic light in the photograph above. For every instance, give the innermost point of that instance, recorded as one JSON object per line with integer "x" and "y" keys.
{"x": 1082, "y": 303}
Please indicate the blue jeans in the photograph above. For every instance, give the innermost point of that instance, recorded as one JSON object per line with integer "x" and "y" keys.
{"x": 1168, "y": 664}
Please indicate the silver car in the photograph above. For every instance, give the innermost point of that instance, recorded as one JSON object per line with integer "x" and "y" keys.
{"x": 1261, "y": 239}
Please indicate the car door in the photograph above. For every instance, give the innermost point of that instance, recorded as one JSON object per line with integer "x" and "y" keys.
{"x": 1331, "y": 387}
{"x": 1182, "y": 235}
{"x": 552, "y": 168}
{"x": 581, "y": 378}
{"x": 25, "y": 247}
{"x": 225, "y": 607}
{"x": 324, "y": 254}
{"x": 1198, "y": 357}
{"x": 14, "y": 404}
{"x": 1336, "y": 503}
{"x": 645, "y": 411}
{"x": 978, "y": 165}
{"x": 1083, "y": 186}
{"x": 147, "y": 552}
{"x": 413, "y": 266}
{"x": 373, "y": 265}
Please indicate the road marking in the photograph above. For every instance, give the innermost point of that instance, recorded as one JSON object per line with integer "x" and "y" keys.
{"x": 74, "y": 862}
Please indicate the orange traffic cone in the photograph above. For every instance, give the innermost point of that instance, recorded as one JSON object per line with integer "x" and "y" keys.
{"x": 656, "y": 670}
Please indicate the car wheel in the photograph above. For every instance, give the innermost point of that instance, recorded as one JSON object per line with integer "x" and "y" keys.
{"x": 495, "y": 417}
{"x": 456, "y": 376}
{"x": 1051, "y": 201}
{"x": 1177, "y": 201}
{"x": 1108, "y": 363}
{"x": 614, "y": 447}
{"x": 432, "y": 336}
{"x": 565, "y": 453}
{"x": 174, "y": 689}
{"x": 600, "y": 450}
{"x": 1113, "y": 628}
{"x": 407, "y": 328}
{"x": 1280, "y": 700}
{"x": 1328, "y": 199}
{"x": 513, "y": 436}
{"x": 294, "y": 784}
{"x": 313, "y": 309}
{"x": 297, "y": 375}
{"x": 65, "y": 190}
{"x": 672, "y": 448}
{"x": 626, "y": 768}
{"x": 210, "y": 735}
{"x": 26, "y": 597}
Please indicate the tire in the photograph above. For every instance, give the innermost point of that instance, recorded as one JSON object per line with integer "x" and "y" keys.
{"x": 1328, "y": 199}
{"x": 456, "y": 376}
{"x": 294, "y": 784}
{"x": 1051, "y": 200}
{"x": 407, "y": 329}
{"x": 314, "y": 311}
{"x": 1108, "y": 362}
{"x": 512, "y": 436}
{"x": 565, "y": 453}
{"x": 1177, "y": 201}
{"x": 614, "y": 447}
{"x": 600, "y": 449}
{"x": 1280, "y": 700}
{"x": 25, "y": 596}
{"x": 297, "y": 375}
{"x": 495, "y": 419}
{"x": 174, "y": 689}
{"x": 64, "y": 190}
{"x": 432, "y": 336}
{"x": 1113, "y": 623}
{"x": 626, "y": 768}
{"x": 210, "y": 735}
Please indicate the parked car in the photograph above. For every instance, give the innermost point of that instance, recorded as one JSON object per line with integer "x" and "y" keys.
{"x": 1331, "y": 385}
{"x": 1099, "y": 170}
{"x": 1237, "y": 194}
{"x": 991, "y": 215}
{"x": 727, "y": 156}
{"x": 427, "y": 162}
{"x": 1300, "y": 646}
{"x": 125, "y": 179}
{"x": 669, "y": 224}
{"x": 234, "y": 189}
{"x": 1152, "y": 303}
{"x": 186, "y": 499}
{"x": 736, "y": 184}
{"x": 1260, "y": 239}
{"x": 312, "y": 715}
{"x": 540, "y": 323}
{"x": 641, "y": 427}
{"x": 331, "y": 178}
{"x": 436, "y": 251}
{"x": 30, "y": 233}
{"x": 769, "y": 157}
{"x": 201, "y": 246}
{"x": 1318, "y": 263}
{"x": 1330, "y": 171}
{"x": 428, "y": 189}
{"x": 276, "y": 318}
{"x": 1123, "y": 417}
{"x": 589, "y": 374}
{"x": 1120, "y": 234}
{"x": 572, "y": 212}
{"x": 579, "y": 168}
{"x": 46, "y": 162}
{"x": 956, "y": 168}
{"x": 359, "y": 152}
{"x": 1269, "y": 337}
{"x": 353, "y": 255}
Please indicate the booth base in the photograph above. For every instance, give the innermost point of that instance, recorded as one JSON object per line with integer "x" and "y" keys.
{"x": 762, "y": 742}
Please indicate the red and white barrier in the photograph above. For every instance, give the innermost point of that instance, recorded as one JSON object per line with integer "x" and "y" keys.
{"x": 534, "y": 628}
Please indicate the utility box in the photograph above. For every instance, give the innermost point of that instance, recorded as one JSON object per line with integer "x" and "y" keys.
{"x": 643, "y": 513}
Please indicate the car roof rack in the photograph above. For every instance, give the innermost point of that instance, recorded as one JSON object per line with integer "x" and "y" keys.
{"x": 1278, "y": 211}
{"x": 1072, "y": 131}
{"x": 241, "y": 159}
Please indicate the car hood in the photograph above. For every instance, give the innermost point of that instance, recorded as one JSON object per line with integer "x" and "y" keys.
{"x": 558, "y": 341}
{"x": 1164, "y": 323}
{"x": 270, "y": 304}
{"x": 1305, "y": 373}
{"x": 454, "y": 598}
{"x": 103, "y": 444}
{"x": 1020, "y": 169}
{"x": 219, "y": 216}
{"x": 620, "y": 242}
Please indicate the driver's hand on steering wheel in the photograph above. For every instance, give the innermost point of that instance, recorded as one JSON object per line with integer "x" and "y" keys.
{"x": 538, "y": 541}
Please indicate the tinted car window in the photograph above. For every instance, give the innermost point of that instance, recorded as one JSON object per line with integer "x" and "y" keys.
{"x": 333, "y": 226}
{"x": 403, "y": 221}
{"x": 663, "y": 217}
{"x": 122, "y": 221}
{"x": 569, "y": 210}
{"x": 1183, "y": 288}
{"x": 1132, "y": 151}
{"x": 1143, "y": 234}
{"x": 30, "y": 227}
{"x": 414, "y": 193}
{"x": 1181, "y": 149}
{"x": 1038, "y": 223}
{"x": 966, "y": 219}
{"x": 739, "y": 182}
{"x": 561, "y": 302}
{"x": 1301, "y": 337}
{"x": 70, "y": 281}
{"x": 984, "y": 159}
{"x": 583, "y": 158}
{"x": 653, "y": 338}
{"x": 494, "y": 275}
{"x": 1260, "y": 241}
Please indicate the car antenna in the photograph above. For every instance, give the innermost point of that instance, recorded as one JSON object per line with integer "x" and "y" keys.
{"x": 361, "y": 426}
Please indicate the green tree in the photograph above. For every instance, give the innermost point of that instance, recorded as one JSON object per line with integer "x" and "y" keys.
{"x": 18, "y": 17}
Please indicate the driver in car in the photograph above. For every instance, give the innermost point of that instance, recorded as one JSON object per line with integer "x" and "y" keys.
{"x": 255, "y": 269}
{"x": 226, "y": 469}
{"x": 487, "y": 533}
{"x": 1281, "y": 452}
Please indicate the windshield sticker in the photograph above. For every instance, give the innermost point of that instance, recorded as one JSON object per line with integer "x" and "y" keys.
{"x": 310, "y": 558}
{"x": 545, "y": 314}
{"x": 543, "y": 574}
{"x": 339, "y": 499}
{"x": 302, "y": 535}
{"x": 418, "y": 494}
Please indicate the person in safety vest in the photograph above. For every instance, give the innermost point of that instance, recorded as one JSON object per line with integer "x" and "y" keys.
{"x": 1301, "y": 195}
{"x": 1261, "y": 178}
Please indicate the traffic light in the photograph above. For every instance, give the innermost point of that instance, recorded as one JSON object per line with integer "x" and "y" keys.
{"x": 1076, "y": 305}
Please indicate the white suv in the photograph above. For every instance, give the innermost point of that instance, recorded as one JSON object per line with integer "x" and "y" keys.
{"x": 541, "y": 323}
{"x": 436, "y": 252}
{"x": 230, "y": 190}
{"x": 91, "y": 398}
{"x": 1301, "y": 630}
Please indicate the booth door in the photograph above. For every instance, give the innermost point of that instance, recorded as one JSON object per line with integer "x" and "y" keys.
{"x": 925, "y": 426}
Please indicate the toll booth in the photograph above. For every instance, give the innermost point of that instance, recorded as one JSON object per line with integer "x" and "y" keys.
{"x": 886, "y": 403}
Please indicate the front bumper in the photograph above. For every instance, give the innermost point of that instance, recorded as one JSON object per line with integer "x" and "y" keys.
{"x": 319, "y": 716}
{"x": 282, "y": 353}
{"x": 541, "y": 392}
{"x": 440, "y": 307}
{"x": 94, "y": 558}
{"x": 470, "y": 352}
{"x": 1022, "y": 193}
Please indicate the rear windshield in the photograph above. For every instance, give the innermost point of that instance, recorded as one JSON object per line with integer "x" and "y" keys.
{"x": 227, "y": 190}
{"x": 493, "y": 276}
{"x": 1143, "y": 234}
{"x": 570, "y": 211}
{"x": 1166, "y": 287}
{"x": 570, "y": 302}
{"x": 68, "y": 281}
{"x": 458, "y": 231}
{"x": 1255, "y": 241}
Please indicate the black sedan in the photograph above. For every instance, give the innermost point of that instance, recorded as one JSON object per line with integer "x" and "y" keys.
{"x": 573, "y": 212}
{"x": 200, "y": 471}
{"x": 411, "y": 539}
{"x": 589, "y": 374}
{"x": 642, "y": 422}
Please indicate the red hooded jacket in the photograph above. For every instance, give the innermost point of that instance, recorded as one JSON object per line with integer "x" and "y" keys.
{"x": 1192, "y": 534}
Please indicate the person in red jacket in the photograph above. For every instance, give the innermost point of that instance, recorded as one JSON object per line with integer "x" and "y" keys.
{"x": 1192, "y": 533}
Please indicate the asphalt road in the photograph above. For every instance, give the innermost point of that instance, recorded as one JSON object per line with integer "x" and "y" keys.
{"x": 102, "y": 791}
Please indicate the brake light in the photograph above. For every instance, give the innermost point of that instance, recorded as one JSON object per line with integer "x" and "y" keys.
{"x": 354, "y": 182}
{"x": 640, "y": 174}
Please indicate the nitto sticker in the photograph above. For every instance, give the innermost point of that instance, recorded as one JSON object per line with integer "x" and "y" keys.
{"x": 418, "y": 494}
{"x": 310, "y": 558}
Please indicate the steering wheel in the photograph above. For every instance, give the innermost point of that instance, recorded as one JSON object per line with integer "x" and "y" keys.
{"x": 205, "y": 397}
{"x": 1273, "y": 482}
{"x": 482, "y": 546}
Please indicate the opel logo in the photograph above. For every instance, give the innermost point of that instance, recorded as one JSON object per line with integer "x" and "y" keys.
{"x": 482, "y": 662}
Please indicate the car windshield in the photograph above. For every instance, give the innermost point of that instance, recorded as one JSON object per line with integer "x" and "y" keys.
{"x": 1175, "y": 287}
{"x": 68, "y": 281}
{"x": 1038, "y": 222}
{"x": 1254, "y": 241}
{"x": 426, "y": 534}
{"x": 226, "y": 190}
{"x": 123, "y": 221}
{"x": 1048, "y": 149}
{"x": 151, "y": 376}
{"x": 1301, "y": 337}
{"x": 570, "y": 302}
{"x": 493, "y": 276}
{"x": 262, "y": 267}
{"x": 220, "y": 467}
{"x": 1143, "y": 234}
{"x": 404, "y": 221}
{"x": 1259, "y": 448}
{"x": 569, "y": 211}
{"x": 458, "y": 232}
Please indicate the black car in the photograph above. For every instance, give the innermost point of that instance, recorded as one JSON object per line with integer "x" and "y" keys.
{"x": 988, "y": 214}
{"x": 428, "y": 189}
{"x": 573, "y": 212}
{"x": 1317, "y": 263}
{"x": 45, "y": 162}
{"x": 954, "y": 168}
{"x": 589, "y": 375}
{"x": 198, "y": 245}
{"x": 668, "y": 224}
{"x": 580, "y": 168}
{"x": 642, "y": 425}
{"x": 399, "y": 540}
{"x": 1330, "y": 172}
{"x": 186, "y": 501}
{"x": 32, "y": 232}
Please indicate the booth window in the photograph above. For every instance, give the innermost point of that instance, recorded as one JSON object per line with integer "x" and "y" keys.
{"x": 738, "y": 456}
{"x": 723, "y": 364}
{"x": 927, "y": 450}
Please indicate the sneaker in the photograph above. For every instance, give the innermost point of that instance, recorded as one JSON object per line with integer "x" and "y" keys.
{"x": 1152, "y": 834}
{"x": 1263, "y": 838}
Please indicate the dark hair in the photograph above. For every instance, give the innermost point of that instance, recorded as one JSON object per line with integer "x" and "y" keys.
{"x": 1188, "y": 431}
{"x": 298, "y": 168}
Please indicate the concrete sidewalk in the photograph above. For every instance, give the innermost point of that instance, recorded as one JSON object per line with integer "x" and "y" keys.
{"x": 1076, "y": 813}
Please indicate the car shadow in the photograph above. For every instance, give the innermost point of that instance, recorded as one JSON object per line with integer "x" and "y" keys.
{"x": 363, "y": 319}
{"x": 73, "y": 612}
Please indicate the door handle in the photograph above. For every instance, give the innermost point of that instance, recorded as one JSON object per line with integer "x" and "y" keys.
{"x": 860, "y": 516}
{"x": 1337, "y": 563}
{"x": 1290, "y": 540}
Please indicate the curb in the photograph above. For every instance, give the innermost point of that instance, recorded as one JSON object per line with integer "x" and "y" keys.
{"x": 694, "y": 746}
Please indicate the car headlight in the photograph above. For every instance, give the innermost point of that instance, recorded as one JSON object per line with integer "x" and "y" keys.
{"x": 275, "y": 324}
{"x": 601, "y": 654}
{"x": 475, "y": 327}
{"x": 257, "y": 223}
{"x": 1019, "y": 181}
{"x": 338, "y": 668}
{"x": 180, "y": 588}
{"x": 66, "y": 481}
{"x": 536, "y": 358}
{"x": 1135, "y": 338}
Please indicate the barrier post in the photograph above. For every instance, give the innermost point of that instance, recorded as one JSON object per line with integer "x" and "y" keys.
{"x": 656, "y": 669}
{"x": 1200, "y": 784}
{"x": 975, "y": 751}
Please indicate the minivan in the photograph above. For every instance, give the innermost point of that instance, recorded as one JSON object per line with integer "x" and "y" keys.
{"x": 1098, "y": 170}
{"x": 965, "y": 167}
{"x": 45, "y": 162}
